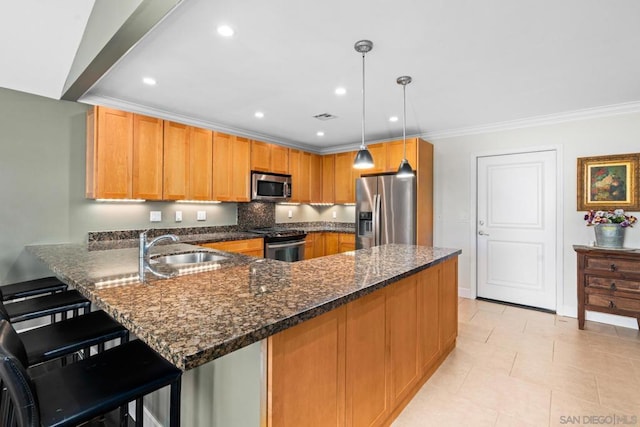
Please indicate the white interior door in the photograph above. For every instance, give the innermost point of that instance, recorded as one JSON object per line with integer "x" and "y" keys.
{"x": 516, "y": 228}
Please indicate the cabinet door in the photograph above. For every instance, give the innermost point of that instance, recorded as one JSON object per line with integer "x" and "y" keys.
{"x": 176, "y": 161}
{"x": 328, "y": 178}
{"x": 395, "y": 154}
{"x": 367, "y": 398}
{"x": 449, "y": 303}
{"x": 109, "y": 154}
{"x": 241, "y": 182}
{"x": 305, "y": 166}
{"x": 402, "y": 322}
{"x": 318, "y": 245}
{"x": 309, "y": 245}
{"x": 260, "y": 156}
{"x": 296, "y": 174}
{"x": 315, "y": 178}
{"x": 345, "y": 183}
{"x": 346, "y": 242}
{"x": 222, "y": 166}
{"x": 279, "y": 159}
{"x": 379, "y": 154}
{"x": 200, "y": 164}
{"x": 429, "y": 317}
{"x": 147, "y": 157}
{"x": 331, "y": 243}
{"x": 253, "y": 247}
{"x": 306, "y": 373}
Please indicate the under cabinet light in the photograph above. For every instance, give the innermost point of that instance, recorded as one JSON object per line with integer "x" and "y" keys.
{"x": 121, "y": 200}
{"x": 321, "y": 204}
{"x": 289, "y": 203}
{"x": 201, "y": 202}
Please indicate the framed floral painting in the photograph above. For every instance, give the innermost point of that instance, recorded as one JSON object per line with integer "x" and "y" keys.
{"x": 608, "y": 182}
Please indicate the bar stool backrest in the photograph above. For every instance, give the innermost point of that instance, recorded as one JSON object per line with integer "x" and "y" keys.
{"x": 18, "y": 403}
{"x": 4, "y": 315}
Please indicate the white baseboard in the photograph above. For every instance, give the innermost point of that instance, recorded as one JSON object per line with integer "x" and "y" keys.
{"x": 465, "y": 293}
{"x": 609, "y": 319}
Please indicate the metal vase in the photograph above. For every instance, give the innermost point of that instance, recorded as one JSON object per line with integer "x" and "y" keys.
{"x": 609, "y": 235}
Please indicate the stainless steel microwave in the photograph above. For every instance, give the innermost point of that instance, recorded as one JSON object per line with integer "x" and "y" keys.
{"x": 270, "y": 187}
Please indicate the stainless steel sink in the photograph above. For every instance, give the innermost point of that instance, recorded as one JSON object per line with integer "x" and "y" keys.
{"x": 190, "y": 258}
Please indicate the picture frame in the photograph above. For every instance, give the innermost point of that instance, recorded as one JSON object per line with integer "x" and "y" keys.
{"x": 608, "y": 182}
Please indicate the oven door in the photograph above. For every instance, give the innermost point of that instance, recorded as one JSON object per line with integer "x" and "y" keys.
{"x": 290, "y": 251}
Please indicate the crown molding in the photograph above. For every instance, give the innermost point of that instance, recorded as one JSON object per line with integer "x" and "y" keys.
{"x": 544, "y": 120}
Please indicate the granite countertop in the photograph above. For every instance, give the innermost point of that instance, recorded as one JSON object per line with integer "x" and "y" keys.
{"x": 194, "y": 318}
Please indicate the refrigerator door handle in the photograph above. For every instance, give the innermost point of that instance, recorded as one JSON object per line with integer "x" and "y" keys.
{"x": 376, "y": 219}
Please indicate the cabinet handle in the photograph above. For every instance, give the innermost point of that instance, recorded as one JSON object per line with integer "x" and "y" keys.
{"x": 611, "y": 304}
{"x": 613, "y": 286}
{"x": 613, "y": 267}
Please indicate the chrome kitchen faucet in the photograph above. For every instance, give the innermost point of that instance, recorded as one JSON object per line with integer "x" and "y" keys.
{"x": 144, "y": 247}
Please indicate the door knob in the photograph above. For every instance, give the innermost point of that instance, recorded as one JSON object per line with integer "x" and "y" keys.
{"x": 482, "y": 233}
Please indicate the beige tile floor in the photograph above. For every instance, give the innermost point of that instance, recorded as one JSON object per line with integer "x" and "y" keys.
{"x": 518, "y": 367}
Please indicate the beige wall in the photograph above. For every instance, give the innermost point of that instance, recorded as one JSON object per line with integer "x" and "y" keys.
{"x": 455, "y": 187}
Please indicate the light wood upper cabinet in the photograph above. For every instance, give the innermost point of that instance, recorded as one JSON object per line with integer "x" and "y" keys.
{"x": 395, "y": 153}
{"x": 328, "y": 178}
{"x": 379, "y": 154}
{"x": 279, "y": 159}
{"x": 148, "y": 150}
{"x": 188, "y": 161}
{"x": 109, "y": 154}
{"x": 231, "y": 168}
{"x": 299, "y": 168}
{"x": 315, "y": 178}
{"x": 200, "y": 164}
{"x": 269, "y": 157}
{"x": 344, "y": 178}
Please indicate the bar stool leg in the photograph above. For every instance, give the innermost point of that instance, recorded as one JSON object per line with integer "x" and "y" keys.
{"x": 124, "y": 416}
{"x": 174, "y": 406}
{"x": 139, "y": 412}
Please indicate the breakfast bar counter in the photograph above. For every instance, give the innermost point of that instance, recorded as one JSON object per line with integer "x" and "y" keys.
{"x": 197, "y": 317}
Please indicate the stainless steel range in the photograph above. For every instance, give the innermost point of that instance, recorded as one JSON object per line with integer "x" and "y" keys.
{"x": 283, "y": 244}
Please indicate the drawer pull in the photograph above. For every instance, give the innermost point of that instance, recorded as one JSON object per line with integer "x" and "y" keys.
{"x": 613, "y": 267}
{"x": 611, "y": 304}
{"x": 613, "y": 286}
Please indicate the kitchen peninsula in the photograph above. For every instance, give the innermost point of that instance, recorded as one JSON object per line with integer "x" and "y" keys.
{"x": 352, "y": 335}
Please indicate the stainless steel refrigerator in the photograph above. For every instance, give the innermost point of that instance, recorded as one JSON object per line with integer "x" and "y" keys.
{"x": 385, "y": 210}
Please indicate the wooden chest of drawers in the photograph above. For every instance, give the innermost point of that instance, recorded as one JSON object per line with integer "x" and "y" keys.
{"x": 608, "y": 281}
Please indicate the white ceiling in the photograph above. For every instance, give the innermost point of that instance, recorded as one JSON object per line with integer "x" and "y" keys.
{"x": 473, "y": 63}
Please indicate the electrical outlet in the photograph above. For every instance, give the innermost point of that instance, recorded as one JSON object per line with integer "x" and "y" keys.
{"x": 201, "y": 215}
{"x": 178, "y": 216}
{"x": 334, "y": 214}
{"x": 290, "y": 214}
{"x": 155, "y": 216}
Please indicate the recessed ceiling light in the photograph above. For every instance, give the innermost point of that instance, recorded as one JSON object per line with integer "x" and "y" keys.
{"x": 225, "y": 31}
{"x": 340, "y": 91}
{"x": 320, "y": 133}
{"x": 259, "y": 114}
{"x": 393, "y": 118}
{"x": 149, "y": 81}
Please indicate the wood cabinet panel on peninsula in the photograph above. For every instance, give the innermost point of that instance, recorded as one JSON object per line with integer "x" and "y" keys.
{"x": 361, "y": 363}
{"x": 608, "y": 282}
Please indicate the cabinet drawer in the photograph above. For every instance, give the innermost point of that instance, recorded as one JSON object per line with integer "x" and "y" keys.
{"x": 237, "y": 245}
{"x": 613, "y": 284}
{"x": 612, "y": 264}
{"x": 614, "y": 303}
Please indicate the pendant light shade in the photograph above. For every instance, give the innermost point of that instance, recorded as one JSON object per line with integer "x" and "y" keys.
{"x": 363, "y": 159}
{"x": 404, "y": 170}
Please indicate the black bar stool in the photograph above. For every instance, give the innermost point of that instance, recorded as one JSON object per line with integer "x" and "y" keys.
{"x": 30, "y": 288}
{"x": 60, "y": 302}
{"x": 79, "y": 392}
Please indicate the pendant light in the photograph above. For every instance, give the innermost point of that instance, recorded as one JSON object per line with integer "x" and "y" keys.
{"x": 363, "y": 159}
{"x": 404, "y": 170}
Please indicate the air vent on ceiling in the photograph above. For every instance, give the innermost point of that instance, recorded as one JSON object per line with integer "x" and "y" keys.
{"x": 325, "y": 116}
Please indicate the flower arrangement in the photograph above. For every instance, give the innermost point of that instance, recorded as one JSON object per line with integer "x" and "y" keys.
{"x": 610, "y": 217}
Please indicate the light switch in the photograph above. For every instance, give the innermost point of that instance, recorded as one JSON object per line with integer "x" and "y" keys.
{"x": 155, "y": 216}
{"x": 201, "y": 215}
{"x": 178, "y": 216}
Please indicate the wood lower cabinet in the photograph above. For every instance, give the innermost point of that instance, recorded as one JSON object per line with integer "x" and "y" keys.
{"x": 252, "y": 247}
{"x": 331, "y": 243}
{"x": 231, "y": 168}
{"x": 608, "y": 282}
{"x": 346, "y": 242}
{"x": 328, "y": 243}
{"x": 306, "y": 373}
{"x": 361, "y": 363}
